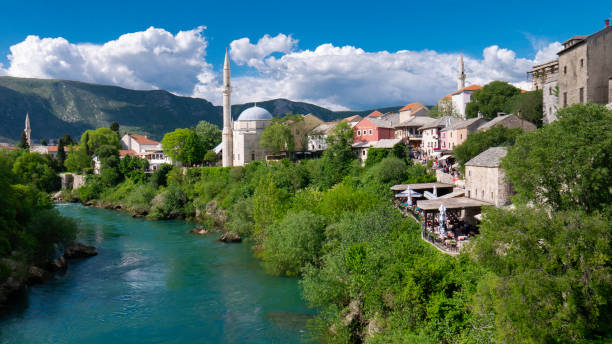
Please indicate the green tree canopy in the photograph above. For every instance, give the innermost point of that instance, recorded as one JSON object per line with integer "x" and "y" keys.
{"x": 210, "y": 156}
{"x": 99, "y": 137}
{"x": 210, "y": 135}
{"x": 477, "y": 143}
{"x": 78, "y": 161}
{"x": 527, "y": 105}
{"x": 566, "y": 164}
{"x": 338, "y": 156}
{"x": 278, "y": 138}
{"x": 183, "y": 145}
{"x": 490, "y": 99}
{"x": 23, "y": 142}
{"x": 36, "y": 170}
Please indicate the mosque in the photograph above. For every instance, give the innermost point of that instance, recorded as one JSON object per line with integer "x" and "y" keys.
{"x": 240, "y": 142}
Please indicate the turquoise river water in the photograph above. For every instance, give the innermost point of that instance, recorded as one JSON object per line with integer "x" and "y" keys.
{"x": 153, "y": 282}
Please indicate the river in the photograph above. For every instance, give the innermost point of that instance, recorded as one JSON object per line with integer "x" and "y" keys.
{"x": 153, "y": 282}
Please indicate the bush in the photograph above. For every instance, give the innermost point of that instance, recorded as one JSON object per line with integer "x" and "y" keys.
{"x": 376, "y": 155}
{"x": 159, "y": 177}
{"x": 293, "y": 242}
{"x": 390, "y": 170}
{"x": 171, "y": 204}
{"x": 47, "y": 227}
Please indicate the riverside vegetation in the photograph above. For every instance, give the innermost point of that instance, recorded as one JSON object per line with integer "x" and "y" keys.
{"x": 534, "y": 275}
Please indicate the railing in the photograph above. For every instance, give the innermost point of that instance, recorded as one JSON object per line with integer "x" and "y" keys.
{"x": 430, "y": 238}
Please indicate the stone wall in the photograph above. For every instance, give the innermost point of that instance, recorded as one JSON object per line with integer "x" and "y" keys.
{"x": 487, "y": 184}
{"x": 572, "y": 75}
{"x": 71, "y": 180}
{"x": 599, "y": 66}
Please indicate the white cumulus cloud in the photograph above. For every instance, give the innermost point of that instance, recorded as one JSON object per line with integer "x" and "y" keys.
{"x": 244, "y": 52}
{"x": 148, "y": 59}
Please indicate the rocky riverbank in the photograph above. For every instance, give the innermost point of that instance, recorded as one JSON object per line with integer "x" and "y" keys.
{"x": 21, "y": 274}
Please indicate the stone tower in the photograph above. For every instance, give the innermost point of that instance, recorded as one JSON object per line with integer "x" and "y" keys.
{"x": 27, "y": 130}
{"x": 228, "y": 141}
{"x": 461, "y": 74}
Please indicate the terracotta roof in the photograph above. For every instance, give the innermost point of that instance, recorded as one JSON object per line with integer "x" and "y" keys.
{"x": 54, "y": 149}
{"x": 354, "y": 118}
{"x": 469, "y": 88}
{"x": 375, "y": 113}
{"x": 489, "y": 158}
{"x": 143, "y": 140}
{"x": 412, "y": 106}
{"x": 124, "y": 152}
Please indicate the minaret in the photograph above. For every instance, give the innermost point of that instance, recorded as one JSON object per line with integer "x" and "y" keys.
{"x": 228, "y": 141}
{"x": 461, "y": 75}
{"x": 27, "y": 130}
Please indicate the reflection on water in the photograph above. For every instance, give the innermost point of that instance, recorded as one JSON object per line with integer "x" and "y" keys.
{"x": 153, "y": 282}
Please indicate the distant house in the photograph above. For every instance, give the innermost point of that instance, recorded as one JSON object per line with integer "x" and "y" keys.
{"x": 431, "y": 144}
{"x": 317, "y": 139}
{"x": 301, "y": 131}
{"x": 455, "y": 134}
{"x": 51, "y": 150}
{"x": 374, "y": 127}
{"x": 485, "y": 179}
{"x": 509, "y": 121}
{"x": 145, "y": 148}
{"x": 362, "y": 148}
{"x": 462, "y": 97}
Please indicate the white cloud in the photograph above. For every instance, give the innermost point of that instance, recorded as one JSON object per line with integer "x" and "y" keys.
{"x": 243, "y": 51}
{"x": 148, "y": 59}
{"x": 340, "y": 77}
{"x": 349, "y": 77}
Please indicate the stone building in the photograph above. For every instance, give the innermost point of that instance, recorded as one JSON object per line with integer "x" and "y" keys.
{"x": 485, "y": 179}
{"x": 144, "y": 148}
{"x": 431, "y": 134}
{"x": 301, "y": 130}
{"x": 508, "y": 121}
{"x": 317, "y": 138}
{"x": 247, "y": 133}
{"x": 545, "y": 77}
{"x": 585, "y": 68}
{"x": 456, "y": 133}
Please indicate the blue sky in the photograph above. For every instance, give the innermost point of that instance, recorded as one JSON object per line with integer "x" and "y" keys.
{"x": 444, "y": 27}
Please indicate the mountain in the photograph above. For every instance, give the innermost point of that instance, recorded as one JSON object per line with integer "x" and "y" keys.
{"x": 57, "y": 107}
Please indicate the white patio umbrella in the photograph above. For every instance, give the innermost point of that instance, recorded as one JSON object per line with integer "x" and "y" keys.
{"x": 435, "y": 191}
{"x": 442, "y": 219}
{"x": 409, "y": 197}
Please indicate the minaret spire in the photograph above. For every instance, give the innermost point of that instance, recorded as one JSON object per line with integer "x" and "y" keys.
{"x": 227, "y": 139}
{"x": 461, "y": 74}
{"x": 27, "y": 129}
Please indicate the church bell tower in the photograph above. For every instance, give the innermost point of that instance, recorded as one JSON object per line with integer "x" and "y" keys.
{"x": 228, "y": 141}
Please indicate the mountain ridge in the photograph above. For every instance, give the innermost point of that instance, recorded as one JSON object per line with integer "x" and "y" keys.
{"x": 58, "y": 106}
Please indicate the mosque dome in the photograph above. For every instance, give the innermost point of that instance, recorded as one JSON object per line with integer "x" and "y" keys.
{"x": 255, "y": 113}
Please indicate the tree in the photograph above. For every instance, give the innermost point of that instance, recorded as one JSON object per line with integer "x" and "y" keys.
{"x": 528, "y": 106}
{"x": 183, "y": 145}
{"x": 490, "y": 99}
{"x": 565, "y": 164}
{"x": 33, "y": 169}
{"x": 23, "y": 143}
{"x": 550, "y": 279}
{"x": 115, "y": 127}
{"x": 67, "y": 139}
{"x": 376, "y": 155}
{"x": 61, "y": 155}
{"x": 43, "y": 142}
{"x": 210, "y": 135}
{"x": 210, "y": 157}
{"x": 85, "y": 145}
{"x": 477, "y": 143}
{"x": 78, "y": 161}
{"x": 100, "y": 137}
{"x": 338, "y": 156}
{"x": 278, "y": 138}
{"x": 445, "y": 107}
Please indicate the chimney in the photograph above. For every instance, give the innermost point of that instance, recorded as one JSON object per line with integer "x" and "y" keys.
{"x": 607, "y": 21}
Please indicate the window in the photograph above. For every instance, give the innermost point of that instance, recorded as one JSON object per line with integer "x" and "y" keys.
{"x": 252, "y": 156}
{"x": 451, "y": 134}
{"x": 550, "y": 91}
{"x": 581, "y": 63}
{"x": 482, "y": 194}
{"x": 460, "y": 136}
{"x": 470, "y": 173}
{"x": 370, "y": 132}
{"x": 581, "y": 94}
{"x": 358, "y": 132}
{"x": 564, "y": 98}
{"x": 363, "y": 152}
{"x": 564, "y": 69}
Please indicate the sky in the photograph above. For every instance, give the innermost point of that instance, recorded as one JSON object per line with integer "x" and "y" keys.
{"x": 342, "y": 55}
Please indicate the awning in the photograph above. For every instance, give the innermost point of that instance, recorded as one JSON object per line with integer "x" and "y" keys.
{"x": 444, "y": 157}
{"x": 405, "y": 194}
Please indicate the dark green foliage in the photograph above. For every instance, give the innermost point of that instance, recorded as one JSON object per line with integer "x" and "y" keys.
{"x": 159, "y": 177}
{"x": 43, "y": 142}
{"x": 61, "y": 155}
{"x": 23, "y": 141}
{"x": 477, "y": 143}
{"x": 552, "y": 276}
{"x": 210, "y": 157}
{"x": 400, "y": 151}
{"x": 171, "y": 204}
{"x": 490, "y": 99}
{"x": 528, "y": 106}
{"x": 566, "y": 164}
{"x": 99, "y": 138}
{"x": 78, "y": 161}
{"x": 47, "y": 228}
{"x": 132, "y": 167}
{"x": 376, "y": 155}
{"x": 389, "y": 171}
{"x": 115, "y": 127}
{"x": 338, "y": 156}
